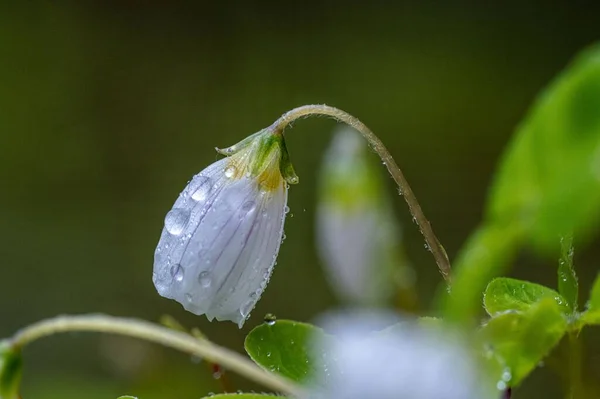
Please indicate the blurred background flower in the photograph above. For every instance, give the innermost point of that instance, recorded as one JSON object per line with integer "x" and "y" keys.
{"x": 108, "y": 108}
{"x": 404, "y": 360}
{"x": 358, "y": 236}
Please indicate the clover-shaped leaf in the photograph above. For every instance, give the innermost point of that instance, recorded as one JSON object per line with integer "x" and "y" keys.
{"x": 516, "y": 341}
{"x": 284, "y": 347}
{"x": 508, "y": 294}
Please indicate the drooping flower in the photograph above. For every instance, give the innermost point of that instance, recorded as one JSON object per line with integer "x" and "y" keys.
{"x": 405, "y": 360}
{"x": 222, "y": 236}
{"x": 357, "y": 237}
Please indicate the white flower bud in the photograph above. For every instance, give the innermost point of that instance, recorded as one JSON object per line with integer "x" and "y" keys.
{"x": 357, "y": 236}
{"x": 221, "y": 238}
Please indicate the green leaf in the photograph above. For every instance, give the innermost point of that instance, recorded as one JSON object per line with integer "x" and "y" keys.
{"x": 243, "y": 396}
{"x": 516, "y": 342}
{"x": 10, "y": 371}
{"x": 568, "y": 286}
{"x": 592, "y": 313}
{"x": 549, "y": 179}
{"x": 284, "y": 347}
{"x": 508, "y": 294}
{"x": 547, "y": 183}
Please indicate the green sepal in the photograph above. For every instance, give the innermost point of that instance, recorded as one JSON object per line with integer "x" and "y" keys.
{"x": 285, "y": 165}
{"x": 11, "y": 367}
{"x": 241, "y": 145}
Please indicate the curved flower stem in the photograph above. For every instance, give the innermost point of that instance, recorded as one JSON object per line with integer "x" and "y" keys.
{"x": 160, "y": 335}
{"x": 439, "y": 254}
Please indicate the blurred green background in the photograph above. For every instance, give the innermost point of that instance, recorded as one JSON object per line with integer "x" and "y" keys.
{"x": 107, "y": 109}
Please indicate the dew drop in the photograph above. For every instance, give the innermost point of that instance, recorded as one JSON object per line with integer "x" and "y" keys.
{"x": 270, "y": 319}
{"x": 195, "y": 359}
{"x": 176, "y": 220}
{"x": 248, "y": 207}
{"x": 205, "y": 279}
{"x": 203, "y": 189}
{"x": 230, "y": 171}
{"x": 177, "y": 272}
{"x": 558, "y": 300}
{"x": 189, "y": 298}
{"x": 246, "y": 308}
{"x": 268, "y": 354}
{"x": 286, "y": 209}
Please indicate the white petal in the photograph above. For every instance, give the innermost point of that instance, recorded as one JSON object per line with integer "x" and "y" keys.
{"x": 356, "y": 247}
{"x": 219, "y": 244}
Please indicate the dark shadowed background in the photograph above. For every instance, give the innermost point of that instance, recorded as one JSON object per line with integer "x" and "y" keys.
{"x": 107, "y": 109}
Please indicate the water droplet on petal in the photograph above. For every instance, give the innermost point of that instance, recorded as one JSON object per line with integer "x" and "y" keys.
{"x": 246, "y": 308}
{"x": 248, "y": 207}
{"x": 203, "y": 189}
{"x": 205, "y": 279}
{"x": 189, "y": 298}
{"x": 286, "y": 209}
{"x": 176, "y": 220}
{"x": 177, "y": 272}
{"x": 230, "y": 171}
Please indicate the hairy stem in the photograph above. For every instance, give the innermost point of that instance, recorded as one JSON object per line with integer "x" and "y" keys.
{"x": 433, "y": 244}
{"x": 160, "y": 335}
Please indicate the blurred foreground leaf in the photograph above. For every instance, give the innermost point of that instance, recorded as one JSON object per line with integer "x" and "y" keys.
{"x": 284, "y": 347}
{"x": 516, "y": 342}
{"x": 592, "y": 314}
{"x": 10, "y": 372}
{"x": 547, "y": 183}
{"x": 568, "y": 286}
{"x": 506, "y": 294}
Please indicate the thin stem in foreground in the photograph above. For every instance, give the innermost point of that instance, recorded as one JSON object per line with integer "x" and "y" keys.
{"x": 575, "y": 384}
{"x": 160, "y": 335}
{"x": 439, "y": 254}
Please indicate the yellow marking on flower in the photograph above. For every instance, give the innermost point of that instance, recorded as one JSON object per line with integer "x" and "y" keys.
{"x": 265, "y": 171}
